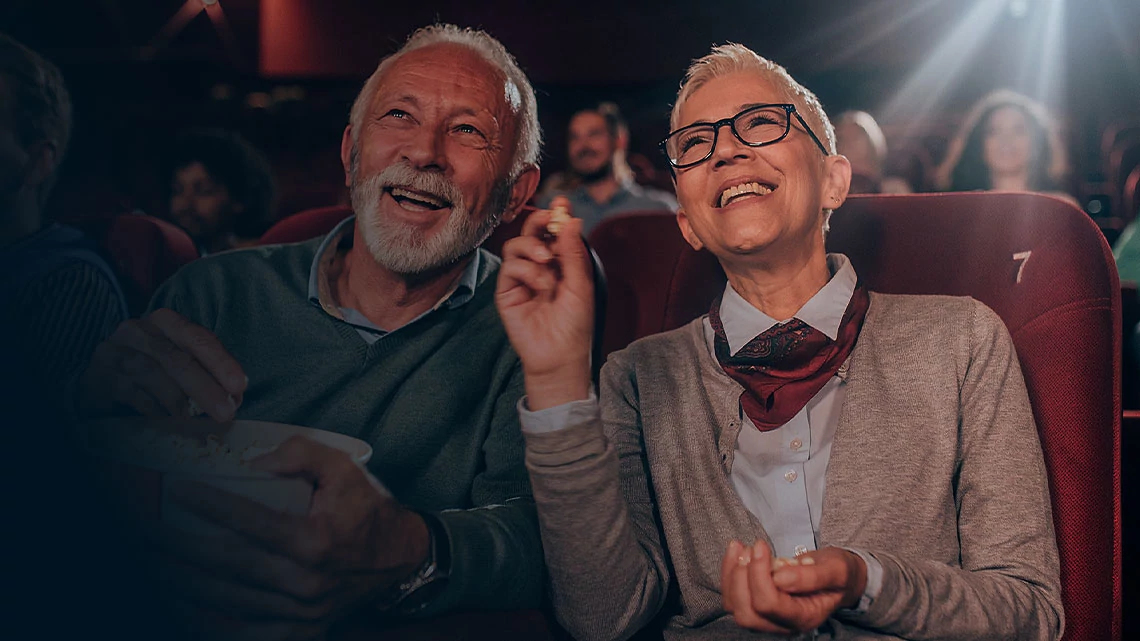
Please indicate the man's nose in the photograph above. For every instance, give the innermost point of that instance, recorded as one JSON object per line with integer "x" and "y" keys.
{"x": 427, "y": 150}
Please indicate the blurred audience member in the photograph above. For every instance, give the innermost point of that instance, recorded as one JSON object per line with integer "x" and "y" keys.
{"x": 221, "y": 189}
{"x": 1008, "y": 143}
{"x": 600, "y": 182}
{"x": 60, "y": 297}
{"x": 1126, "y": 251}
{"x": 859, "y": 138}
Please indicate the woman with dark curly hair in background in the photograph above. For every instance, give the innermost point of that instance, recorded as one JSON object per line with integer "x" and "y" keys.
{"x": 221, "y": 189}
{"x": 1007, "y": 143}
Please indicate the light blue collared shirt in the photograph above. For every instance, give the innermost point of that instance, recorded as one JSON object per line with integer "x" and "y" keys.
{"x": 629, "y": 196}
{"x": 340, "y": 239}
{"x": 780, "y": 474}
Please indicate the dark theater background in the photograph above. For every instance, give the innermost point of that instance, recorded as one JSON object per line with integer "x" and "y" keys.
{"x": 283, "y": 74}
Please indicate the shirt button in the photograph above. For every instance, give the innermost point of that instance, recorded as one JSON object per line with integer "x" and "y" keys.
{"x": 791, "y": 476}
{"x": 796, "y": 444}
{"x": 801, "y": 550}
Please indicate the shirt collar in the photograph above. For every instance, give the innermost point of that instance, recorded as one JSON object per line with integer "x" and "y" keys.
{"x": 340, "y": 238}
{"x": 823, "y": 311}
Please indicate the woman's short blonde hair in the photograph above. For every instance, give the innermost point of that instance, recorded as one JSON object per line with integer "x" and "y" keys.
{"x": 734, "y": 58}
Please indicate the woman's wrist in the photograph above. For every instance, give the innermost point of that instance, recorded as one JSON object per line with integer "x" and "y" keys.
{"x": 557, "y": 387}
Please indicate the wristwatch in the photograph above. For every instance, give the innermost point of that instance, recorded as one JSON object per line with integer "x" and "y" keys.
{"x": 422, "y": 586}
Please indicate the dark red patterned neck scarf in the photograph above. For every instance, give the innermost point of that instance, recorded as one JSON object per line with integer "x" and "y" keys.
{"x": 784, "y": 367}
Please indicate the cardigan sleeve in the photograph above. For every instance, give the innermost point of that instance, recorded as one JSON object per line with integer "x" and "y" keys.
{"x": 1008, "y": 585}
{"x": 598, "y": 520}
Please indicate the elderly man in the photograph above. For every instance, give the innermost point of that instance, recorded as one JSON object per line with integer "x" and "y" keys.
{"x": 600, "y": 182}
{"x": 881, "y": 447}
{"x": 384, "y": 330}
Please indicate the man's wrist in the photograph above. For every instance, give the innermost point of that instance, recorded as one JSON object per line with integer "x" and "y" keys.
{"x": 418, "y": 545}
{"x": 428, "y": 577}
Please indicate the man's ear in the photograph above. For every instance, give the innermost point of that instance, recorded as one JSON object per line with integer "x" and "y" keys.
{"x": 346, "y": 152}
{"x": 41, "y": 165}
{"x": 521, "y": 191}
{"x": 687, "y": 230}
{"x": 836, "y": 181}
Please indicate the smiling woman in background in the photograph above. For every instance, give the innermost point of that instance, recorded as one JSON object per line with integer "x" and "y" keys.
{"x": 1008, "y": 143}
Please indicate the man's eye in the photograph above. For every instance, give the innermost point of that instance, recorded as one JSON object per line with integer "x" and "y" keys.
{"x": 396, "y": 113}
{"x": 468, "y": 129}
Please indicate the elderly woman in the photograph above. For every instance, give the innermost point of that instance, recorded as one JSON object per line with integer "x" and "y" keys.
{"x": 808, "y": 457}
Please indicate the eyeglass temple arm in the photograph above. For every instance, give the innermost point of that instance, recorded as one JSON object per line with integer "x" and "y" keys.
{"x": 811, "y": 133}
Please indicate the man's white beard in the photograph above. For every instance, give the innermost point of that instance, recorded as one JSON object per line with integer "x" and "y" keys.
{"x": 407, "y": 249}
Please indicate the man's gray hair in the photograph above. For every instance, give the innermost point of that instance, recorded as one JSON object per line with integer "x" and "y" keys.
{"x": 732, "y": 58}
{"x": 519, "y": 92}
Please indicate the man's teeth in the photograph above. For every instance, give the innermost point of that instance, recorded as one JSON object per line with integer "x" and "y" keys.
{"x": 738, "y": 191}
{"x": 417, "y": 196}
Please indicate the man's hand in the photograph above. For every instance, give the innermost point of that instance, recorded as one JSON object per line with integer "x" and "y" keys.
{"x": 279, "y": 576}
{"x": 545, "y": 297}
{"x": 796, "y": 597}
{"x": 162, "y": 365}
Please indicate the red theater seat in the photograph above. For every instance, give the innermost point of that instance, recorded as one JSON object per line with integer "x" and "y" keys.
{"x": 317, "y": 222}
{"x": 305, "y": 225}
{"x": 1038, "y": 261}
{"x": 144, "y": 251}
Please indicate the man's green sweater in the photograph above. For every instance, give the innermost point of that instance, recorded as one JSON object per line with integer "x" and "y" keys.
{"x": 435, "y": 399}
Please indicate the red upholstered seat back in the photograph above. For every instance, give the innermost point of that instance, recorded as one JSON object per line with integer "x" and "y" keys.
{"x": 305, "y": 225}
{"x": 318, "y": 222}
{"x": 144, "y": 251}
{"x": 1038, "y": 261}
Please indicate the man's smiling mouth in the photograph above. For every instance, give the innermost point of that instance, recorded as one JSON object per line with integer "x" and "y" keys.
{"x": 417, "y": 199}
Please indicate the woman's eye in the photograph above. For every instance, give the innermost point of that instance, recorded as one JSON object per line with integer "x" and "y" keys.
{"x": 691, "y": 141}
{"x": 761, "y": 120}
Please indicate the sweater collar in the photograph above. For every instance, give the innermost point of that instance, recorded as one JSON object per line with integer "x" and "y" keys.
{"x": 339, "y": 240}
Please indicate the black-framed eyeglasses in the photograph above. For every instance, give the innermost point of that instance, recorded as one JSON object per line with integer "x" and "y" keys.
{"x": 756, "y": 126}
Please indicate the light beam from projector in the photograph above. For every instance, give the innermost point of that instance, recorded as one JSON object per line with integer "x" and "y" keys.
{"x": 874, "y": 21}
{"x": 926, "y": 88}
{"x": 1049, "y": 87}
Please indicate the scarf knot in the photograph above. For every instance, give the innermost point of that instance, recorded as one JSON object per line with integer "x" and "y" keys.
{"x": 787, "y": 365}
